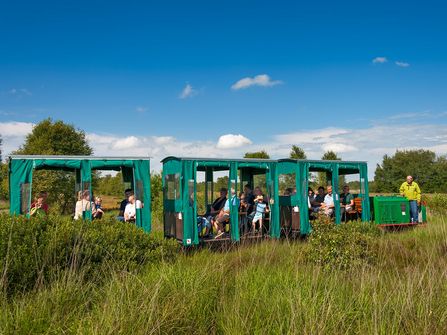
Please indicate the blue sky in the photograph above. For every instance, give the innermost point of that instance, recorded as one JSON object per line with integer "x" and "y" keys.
{"x": 356, "y": 77}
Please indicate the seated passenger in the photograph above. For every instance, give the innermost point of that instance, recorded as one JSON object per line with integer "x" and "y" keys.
{"x": 218, "y": 204}
{"x": 346, "y": 202}
{"x": 130, "y": 212}
{"x": 328, "y": 205}
{"x": 39, "y": 208}
{"x": 318, "y": 199}
{"x": 203, "y": 227}
{"x": 224, "y": 214}
{"x": 123, "y": 204}
{"x": 261, "y": 208}
{"x": 243, "y": 202}
{"x": 82, "y": 205}
{"x": 39, "y": 203}
{"x": 98, "y": 211}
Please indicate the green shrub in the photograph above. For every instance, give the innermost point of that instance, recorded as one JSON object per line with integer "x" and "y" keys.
{"x": 38, "y": 251}
{"x": 436, "y": 203}
{"x": 342, "y": 246}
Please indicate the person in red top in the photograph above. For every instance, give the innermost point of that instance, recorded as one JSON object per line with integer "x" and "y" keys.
{"x": 40, "y": 205}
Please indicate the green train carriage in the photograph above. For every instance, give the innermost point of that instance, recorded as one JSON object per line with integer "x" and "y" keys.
{"x": 135, "y": 171}
{"x": 288, "y": 212}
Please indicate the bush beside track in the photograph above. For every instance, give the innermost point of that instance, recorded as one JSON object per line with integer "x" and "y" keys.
{"x": 36, "y": 252}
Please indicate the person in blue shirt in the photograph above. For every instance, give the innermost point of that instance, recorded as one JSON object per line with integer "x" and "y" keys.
{"x": 260, "y": 209}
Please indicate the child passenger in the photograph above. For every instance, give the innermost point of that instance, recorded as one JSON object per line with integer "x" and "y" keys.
{"x": 98, "y": 212}
{"x": 260, "y": 210}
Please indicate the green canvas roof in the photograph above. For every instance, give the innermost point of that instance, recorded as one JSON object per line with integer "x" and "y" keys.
{"x": 74, "y": 157}
{"x": 217, "y": 159}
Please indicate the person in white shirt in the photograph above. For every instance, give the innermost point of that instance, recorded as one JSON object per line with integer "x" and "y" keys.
{"x": 130, "y": 212}
{"x": 83, "y": 204}
{"x": 328, "y": 204}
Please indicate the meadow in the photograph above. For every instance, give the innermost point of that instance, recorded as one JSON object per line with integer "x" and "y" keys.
{"x": 346, "y": 280}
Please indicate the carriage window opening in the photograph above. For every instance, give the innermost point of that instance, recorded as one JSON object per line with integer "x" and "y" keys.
{"x": 287, "y": 184}
{"x": 172, "y": 186}
{"x": 25, "y": 197}
{"x": 139, "y": 190}
{"x": 191, "y": 192}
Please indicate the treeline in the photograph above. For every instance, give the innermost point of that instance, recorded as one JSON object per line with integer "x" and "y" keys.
{"x": 57, "y": 138}
{"x": 427, "y": 169}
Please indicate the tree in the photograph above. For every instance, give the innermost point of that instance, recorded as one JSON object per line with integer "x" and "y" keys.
{"x": 421, "y": 164}
{"x": 56, "y": 138}
{"x": 330, "y": 156}
{"x": 259, "y": 154}
{"x": 297, "y": 153}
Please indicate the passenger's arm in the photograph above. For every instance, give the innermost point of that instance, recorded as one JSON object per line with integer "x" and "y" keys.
{"x": 402, "y": 189}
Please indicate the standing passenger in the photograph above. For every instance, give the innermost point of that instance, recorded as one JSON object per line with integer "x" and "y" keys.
{"x": 410, "y": 190}
{"x": 260, "y": 210}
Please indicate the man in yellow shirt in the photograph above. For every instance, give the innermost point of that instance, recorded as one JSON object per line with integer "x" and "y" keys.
{"x": 410, "y": 190}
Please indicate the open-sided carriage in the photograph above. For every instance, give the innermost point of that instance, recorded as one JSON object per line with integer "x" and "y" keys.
{"x": 135, "y": 171}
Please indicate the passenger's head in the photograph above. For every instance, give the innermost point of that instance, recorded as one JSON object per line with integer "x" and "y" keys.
{"x": 86, "y": 195}
{"x": 131, "y": 198}
{"x": 127, "y": 192}
{"x": 44, "y": 195}
{"x": 321, "y": 190}
{"x": 258, "y": 191}
{"x": 329, "y": 189}
{"x": 39, "y": 199}
{"x": 346, "y": 189}
{"x": 242, "y": 196}
{"x": 233, "y": 191}
{"x": 260, "y": 198}
{"x": 223, "y": 192}
{"x": 310, "y": 191}
{"x": 409, "y": 179}
{"x": 98, "y": 200}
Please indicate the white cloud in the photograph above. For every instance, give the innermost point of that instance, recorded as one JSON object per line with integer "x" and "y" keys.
{"x": 187, "y": 92}
{"x": 230, "y": 141}
{"x": 338, "y": 147}
{"x": 19, "y": 92}
{"x": 21, "y": 129}
{"x": 380, "y": 60}
{"x": 317, "y": 136}
{"x": 259, "y": 80}
{"x": 362, "y": 144}
{"x": 415, "y": 115}
{"x": 141, "y": 109}
{"x": 13, "y": 135}
{"x": 402, "y": 64}
{"x": 125, "y": 143}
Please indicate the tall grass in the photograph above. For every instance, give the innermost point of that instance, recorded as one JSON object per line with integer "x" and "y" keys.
{"x": 267, "y": 288}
